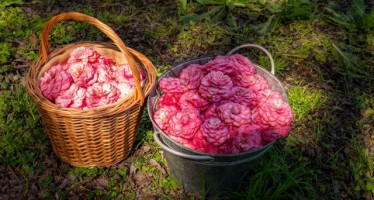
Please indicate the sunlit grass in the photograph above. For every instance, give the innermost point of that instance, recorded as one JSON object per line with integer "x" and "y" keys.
{"x": 299, "y": 42}
{"x": 304, "y": 100}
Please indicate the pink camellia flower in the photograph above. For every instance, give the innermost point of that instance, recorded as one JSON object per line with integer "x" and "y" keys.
{"x": 222, "y": 64}
{"x": 216, "y": 86}
{"x": 230, "y": 147}
{"x": 190, "y": 77}
{"x": 74, "y": 97}
{"x": 266, "y": 94}
{"x": 244, "y": 96}
{"x": 54, "y": 81}
{"x": 100, "y": 94}
{"x": 193, "y": 98}
{"x": 84, "y": 75}
{"x": 170, "y": 85}
{"x": 234, "y": 114}
{"x": 272, "y": 110}
{"x": 169, "y": 99}
{"x": 242, "y": 65}
{"x": 211, "y": 111}
{"x": 105, "y": 74}
{"x": 82, "y": 54}
{"x": 215, "y": 131}
{"x": 255, "y": 82}
{"x": 199, "y": 143}
{"x": 274, "y": 133}
{"x": 185, "y": 142}
{"x": 124, "y": 74}
{"x": 249, "y": 138}
{"x": 185, "y": 123}
{"x": 273, "y": 114}
{"x": 163, "y": 115}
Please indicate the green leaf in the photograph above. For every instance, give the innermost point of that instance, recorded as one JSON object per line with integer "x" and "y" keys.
{"x": 7, "y": 3}
{"x": 241, "y": 3}
{"x": 359, "y": 7}
{"x": 122, "y": 172}
{"x": 350, "y": 62}
{"x": 341, "y": 19}
{"x": 215, "y": 11}
{"x": 231, "y": 19}
{"x": 184, "y": 5}
{"x": 370, "y": 20}
{"x": 212, "y": 2}
{"x": 299, "y": 9}
{"x": 269, "y": 26}
{"x": 4, "y": 52}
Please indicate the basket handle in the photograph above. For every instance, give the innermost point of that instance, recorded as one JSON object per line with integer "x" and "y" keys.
{"x": 258, "y": 47}
{"x": 44, "y": 46}
{"x": 156, "y": 137}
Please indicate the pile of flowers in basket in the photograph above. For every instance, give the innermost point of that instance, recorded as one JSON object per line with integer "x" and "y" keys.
{"x": 222, "y": 107}
{"x": 87, "y": 80}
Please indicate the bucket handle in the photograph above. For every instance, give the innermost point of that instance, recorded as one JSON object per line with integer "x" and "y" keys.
{"x": 156, "y": 137}
{"x": 258, "y": 47}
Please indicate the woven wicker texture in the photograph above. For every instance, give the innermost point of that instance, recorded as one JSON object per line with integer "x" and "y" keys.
{"x": 101, "y": 136}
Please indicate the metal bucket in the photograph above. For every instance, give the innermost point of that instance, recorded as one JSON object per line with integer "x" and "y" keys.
{"x": 204, "y": 173}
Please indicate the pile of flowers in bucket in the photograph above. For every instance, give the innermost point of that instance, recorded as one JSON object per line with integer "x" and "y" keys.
{"x": 222, "y": 107}
{"x": 87, "y": 80}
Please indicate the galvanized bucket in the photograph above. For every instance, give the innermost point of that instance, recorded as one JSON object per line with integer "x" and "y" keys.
{"x": 204, "y": 173}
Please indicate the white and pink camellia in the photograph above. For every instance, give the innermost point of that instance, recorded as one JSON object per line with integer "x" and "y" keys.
{"x": 87, "y": 80}
{"x": 222, "y": 107}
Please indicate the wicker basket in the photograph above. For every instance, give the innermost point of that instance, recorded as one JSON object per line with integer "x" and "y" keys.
{"x": 101, "y": 136}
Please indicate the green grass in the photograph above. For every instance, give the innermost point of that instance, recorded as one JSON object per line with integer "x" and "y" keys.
{"x": 304, "y": 100}
{"x": 275, "y": 177}
{"x": 198, "y": 39}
